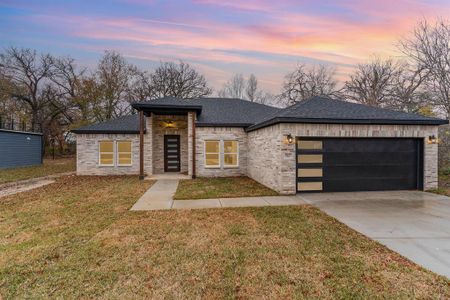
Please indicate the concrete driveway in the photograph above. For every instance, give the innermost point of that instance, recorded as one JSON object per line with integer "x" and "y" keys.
{"x": 412, "y": 223}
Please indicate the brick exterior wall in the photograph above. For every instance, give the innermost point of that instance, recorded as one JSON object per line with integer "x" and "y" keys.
{"x": 220, "y": 133}
{"x": 263, "y": 155}
{"x": 88, "y": 160}
{"x": 266, "y": 145}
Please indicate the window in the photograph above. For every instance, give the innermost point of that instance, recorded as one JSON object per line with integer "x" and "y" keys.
{"x": 230, "y": 153}
{"x": 106, "y": 153}
{"x": 212, "y": 154}
{"x": 124, "y": 153}
{"x": 221, "y": 154}
{"x": 309, "y": 145}
{"x": 309, "y": 186}
{"x": 310, "y": 158}
{"x": 310, "y": 173}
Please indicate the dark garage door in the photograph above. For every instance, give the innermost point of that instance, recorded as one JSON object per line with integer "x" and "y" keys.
{"x": 364, "y": 164}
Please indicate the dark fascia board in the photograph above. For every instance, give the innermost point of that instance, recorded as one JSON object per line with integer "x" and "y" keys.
{"x": 346, "y": 121}
{"x": 87, "y": 131}
{"x": 167, "y": 107}
{"x": 244, "y": 125}
{"x": 20, "y": 132}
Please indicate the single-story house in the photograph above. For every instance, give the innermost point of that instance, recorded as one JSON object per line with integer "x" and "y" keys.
{"x": 320, "y": 144}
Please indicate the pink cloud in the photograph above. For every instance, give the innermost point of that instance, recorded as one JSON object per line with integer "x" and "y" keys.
{"x": 338, "y": 39}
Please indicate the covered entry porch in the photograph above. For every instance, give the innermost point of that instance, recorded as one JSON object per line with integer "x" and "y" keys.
{"x": 166, "y": 140}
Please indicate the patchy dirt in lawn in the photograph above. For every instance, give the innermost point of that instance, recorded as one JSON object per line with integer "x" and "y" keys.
{"x": 76, "y": 238}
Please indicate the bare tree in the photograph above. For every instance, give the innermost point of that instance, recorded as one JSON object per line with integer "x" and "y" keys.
{"x": 304, "y": 83}
{"x": 252, "y": 88}
{"x": 429, "y": 48}
{"x": 234, "y": 88}
{"x": 407, "y": 89}
{"x": 68, "y": 80}
{"x": 113, "y": 77}
{"x": 173, "y": 79}
{"x": 372, "y": 83}
{"x": 28, "y": 72}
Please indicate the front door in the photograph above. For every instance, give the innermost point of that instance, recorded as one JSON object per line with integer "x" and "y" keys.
{"x": 171, "y": 153}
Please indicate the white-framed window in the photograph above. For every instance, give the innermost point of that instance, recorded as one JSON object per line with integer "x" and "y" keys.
{"x": 212, "y": 154}
{"x": 106, "y": 153}
{"x": 221, "y": 153}
{"x": 124, "y": 153}
{"x": 230, "y": 154}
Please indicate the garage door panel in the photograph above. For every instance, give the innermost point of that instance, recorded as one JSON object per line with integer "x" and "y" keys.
{"x": 363, "y": 145}
{"x": 365, "y": 184}
{"x": 364, "y": 164}
{"x": 368, "y": 158}
{"x": 376, "y": 171}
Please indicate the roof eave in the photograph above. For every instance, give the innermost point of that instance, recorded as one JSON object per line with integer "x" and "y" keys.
{"x": 163, "y": 107}
{"x": 205, "y": 124}
{"x": 98, "y": 131}
{"x": 274, "y": 121}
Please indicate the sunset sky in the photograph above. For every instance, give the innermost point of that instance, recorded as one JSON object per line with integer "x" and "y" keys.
{"x": 218, "y": 37}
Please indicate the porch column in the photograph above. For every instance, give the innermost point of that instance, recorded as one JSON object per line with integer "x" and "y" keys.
{"x": 141, "y": 145}
{"x": 191, "y": 144}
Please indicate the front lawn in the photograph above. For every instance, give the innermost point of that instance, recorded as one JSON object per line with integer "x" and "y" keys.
{"x": 223, "y": 187}
{"x": 76, "y": 238}
{"x": 49, "y": 167}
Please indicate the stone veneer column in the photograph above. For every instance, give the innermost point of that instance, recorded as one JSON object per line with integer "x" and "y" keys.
{"x": 430, "y": 164}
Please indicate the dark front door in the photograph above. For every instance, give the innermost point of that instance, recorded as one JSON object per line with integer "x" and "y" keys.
{"x": 359, "y": 164}
{"x": 171, "y": 153}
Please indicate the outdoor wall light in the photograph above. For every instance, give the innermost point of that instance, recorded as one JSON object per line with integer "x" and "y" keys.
{"x": 289, "y": 139}
{"x": 169, "y": 124}
{"x": 432, "y": 139}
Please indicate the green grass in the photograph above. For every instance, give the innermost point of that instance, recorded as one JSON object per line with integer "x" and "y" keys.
{"x": 444, "y": 185}
{"x": 76, "y": 238}
{"x": 49, "y": 167}
{"x": 223, "y": 187}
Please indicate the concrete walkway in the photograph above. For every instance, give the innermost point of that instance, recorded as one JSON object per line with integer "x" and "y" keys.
{"x": 160, "y": 197}
{"x": 237, "y": 202}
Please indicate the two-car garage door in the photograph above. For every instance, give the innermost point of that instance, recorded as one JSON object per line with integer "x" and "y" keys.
{"x": 359, "y": 164}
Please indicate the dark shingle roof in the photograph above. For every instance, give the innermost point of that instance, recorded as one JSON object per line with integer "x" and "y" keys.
{"x": 327, "y": 110}
{"x": 216, "y": 111}
{"x": 127, "y": 124}
{"x": 242, "y": 113}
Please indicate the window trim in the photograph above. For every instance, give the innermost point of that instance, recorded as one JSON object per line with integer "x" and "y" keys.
{"x": 221, "y": 153}
{"x": 205, "y": 153}
{"x": 237, "y": 155}
{"x": 100, "y": 153}
{"x": 117, "y": 153}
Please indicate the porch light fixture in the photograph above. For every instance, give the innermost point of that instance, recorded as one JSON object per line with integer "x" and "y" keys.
{"x": 289, "y": 139}
{"x": 432, "y": 139}
{"x": 169, "y": 124}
